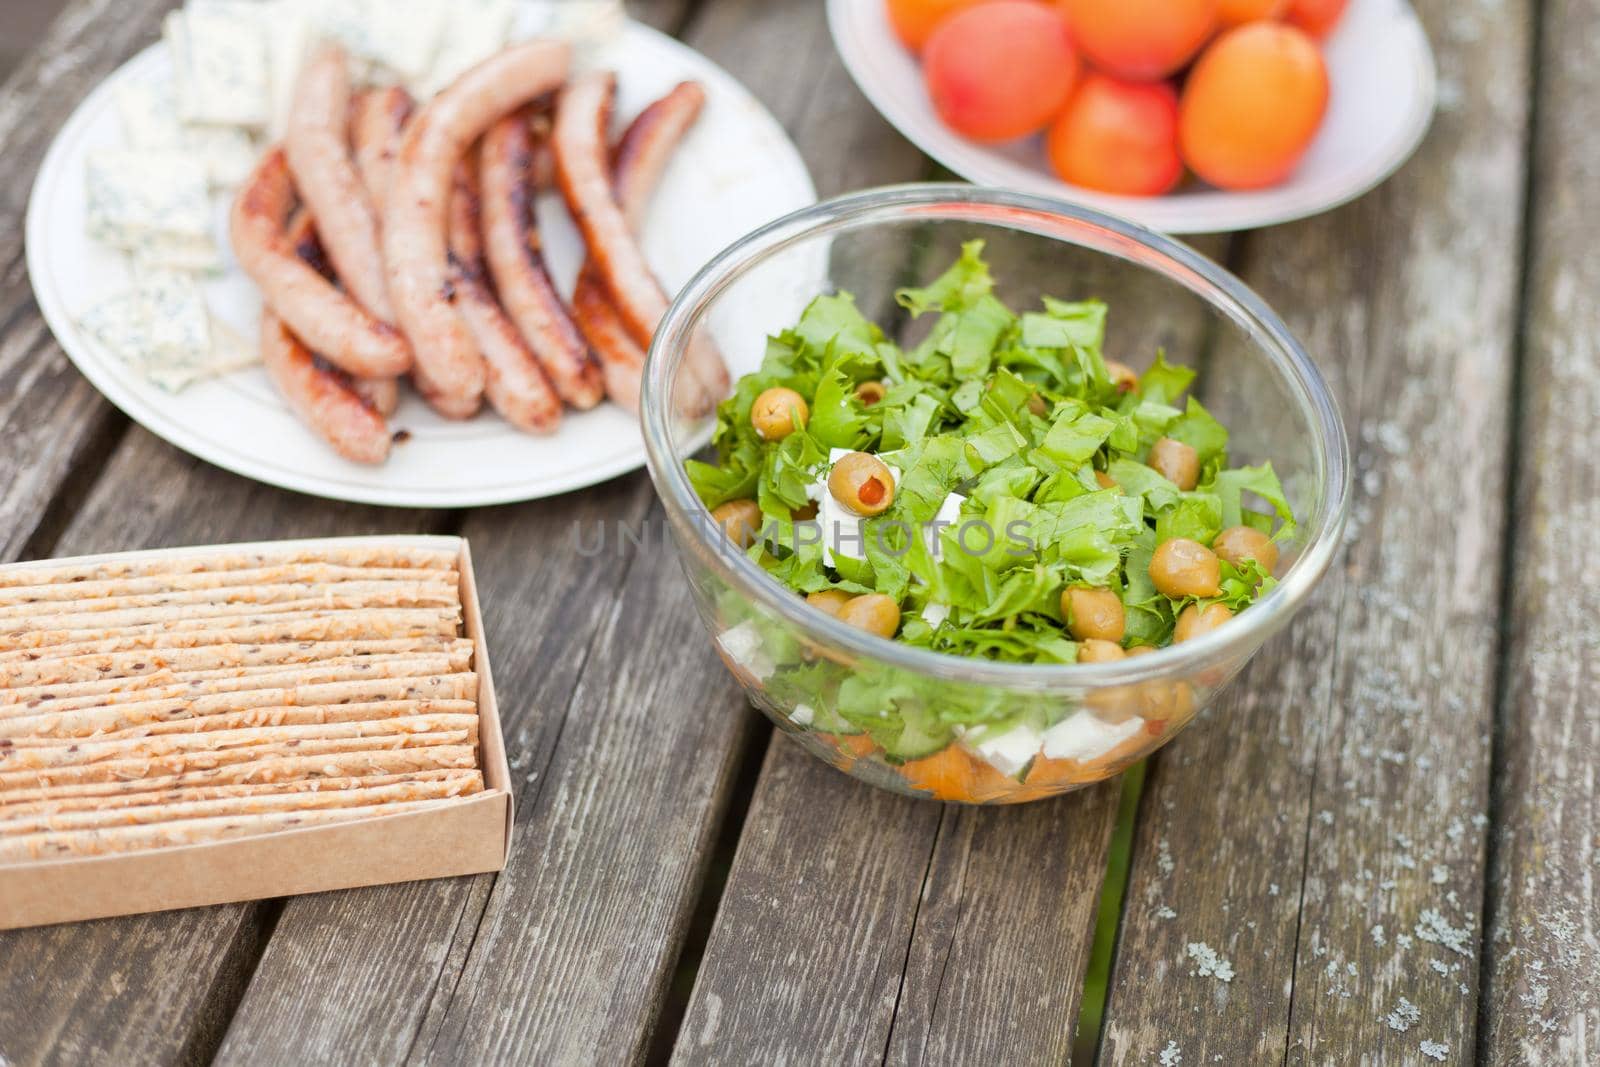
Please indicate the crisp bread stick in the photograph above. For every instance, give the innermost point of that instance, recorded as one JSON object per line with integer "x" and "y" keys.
{"x": 343, "y": 594}
{"x": 184, "y": 762}
{"x": 218, "y": 657}
{"x": 105, "y": 718}
{"x": 373, "y": 622}
{"x": 336, "y": 626}
{"x": 35, "y": 753}
{"x": 32, "y": 847}
{"x": 291, "y": 716}
{"x": 304, "y": 574}
{"x": 174, "y": 811}
{"x": 301, "y": 771}
{"x": 164, "y": 685}
{"x": 310, "y": 602}
{"x": 388, "y": 556}
{"x": 136, "y": 794}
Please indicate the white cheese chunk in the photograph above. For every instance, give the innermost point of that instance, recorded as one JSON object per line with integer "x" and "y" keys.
{"x": 934, "y": 614}
{"x": 803, "y": 715}
{"x": 1007, "y": 751}
{"x": 176, "y": 251}
{"x": 149, "y": 114}
{"x": 229, "y": 350}
{"x": 1085, "y": 737}
{"x": 405, "y": 38}
{"x": 473, "y": 33}
{"x": 161, "y": 329}
{"x": 949, "y": 514}
{"x": 220, "y": 54}
{"x": 743, "y": 645}
{"x": 136, "y": 194}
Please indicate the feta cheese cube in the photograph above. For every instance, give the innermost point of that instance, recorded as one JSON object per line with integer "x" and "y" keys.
{"x": 743, "y": 645}
{"x": 161, "y": 328}
{"x": 803, "y": 715}
{"x": 136, "y": 194}
{"x": 220, "y": 58}
{"x": 1008, "y": 750}
{"x": 1084, "y": 737}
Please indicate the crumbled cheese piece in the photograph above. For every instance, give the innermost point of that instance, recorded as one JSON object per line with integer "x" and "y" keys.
{"x": 743, "y": 645}
{"x": 469, "y": 39}
{"x": 135, "y": 195}
{"x": 404, "y": 38}
{"x": 161, "y": 329}
{"x": 948, "y": 515}
{"x": 149, "y": 114}
{"x": 803, "y": 715}
{"x": 1207, "y": 963}
{"x": 1007, "y": 751}
{"x": 1083, "y": 736}
{"x": 934, "y": 614}
{"x": 220, "y": 64}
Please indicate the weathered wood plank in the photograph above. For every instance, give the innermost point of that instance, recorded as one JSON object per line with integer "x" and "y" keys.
{"x": 157, "y": 988}
{"x": 1323, "y": 833}
{"x": 51, "y": 419}
{"x": 1543, "y": 1000}
{"x": 338, "y": 962}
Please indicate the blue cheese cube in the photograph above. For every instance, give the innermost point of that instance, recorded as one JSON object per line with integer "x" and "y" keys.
{"x": 473, "y": 33}
{"x": 161, "y": 328}
{"x": 220, "y": 61}
{"x": 134, "y": 195}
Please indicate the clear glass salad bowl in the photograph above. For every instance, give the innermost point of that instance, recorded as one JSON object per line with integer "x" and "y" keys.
{"x": 1079, "y": 723}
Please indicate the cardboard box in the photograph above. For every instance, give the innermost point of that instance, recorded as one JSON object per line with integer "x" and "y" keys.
{"x": 469, "y": 836}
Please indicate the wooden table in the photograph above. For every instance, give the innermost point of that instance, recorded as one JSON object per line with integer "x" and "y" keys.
{"x": 1388, "y": 834}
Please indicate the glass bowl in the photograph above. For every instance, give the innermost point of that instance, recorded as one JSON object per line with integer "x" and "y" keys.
{"x": 1076, "y": 724}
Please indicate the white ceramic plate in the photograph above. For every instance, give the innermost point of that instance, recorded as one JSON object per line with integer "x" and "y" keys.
{"x": 1382, "y": 75}
{"x": 735, "y": 171}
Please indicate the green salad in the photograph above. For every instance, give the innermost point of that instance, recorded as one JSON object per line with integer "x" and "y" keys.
{"x": 1000, "y": 490}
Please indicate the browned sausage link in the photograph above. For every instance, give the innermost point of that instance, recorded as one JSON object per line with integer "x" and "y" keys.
{"x": 377, "y": 120}
{"x": 317, "y": 148}
{"x": 382, "y": 394}
{"x": 647, "y": 146}
{"x": 511, "y": 239}
{"x": 621, "y": 360}
{"x": 642, "y": 154}
{"x": 582, "y": 171}
{"x": 517, "y": 386}
{"x": 321, "y": 315}
{"x": 449, "y": 367}
{"x": 320, "y": 395}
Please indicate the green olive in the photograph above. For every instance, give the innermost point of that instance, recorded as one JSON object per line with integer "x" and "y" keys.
{"x": 1095, "y": 650}
{"x": 862, "y": 483}
{"x": 1175, "y": 461}
{"x": 875, "y": 613}
{"x": 829, "y": 600}
{"x": 1184, "y": 568}
{"x": 1093, "y": 613}
{"x": 740, "y": 520}
{"x": 778, "y": 412}
{"x": 870, "y": 393}
{"x": 1239, "y": 543}
{"x": 1122, "y": 376}
{"x": 1194, "y": 620}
